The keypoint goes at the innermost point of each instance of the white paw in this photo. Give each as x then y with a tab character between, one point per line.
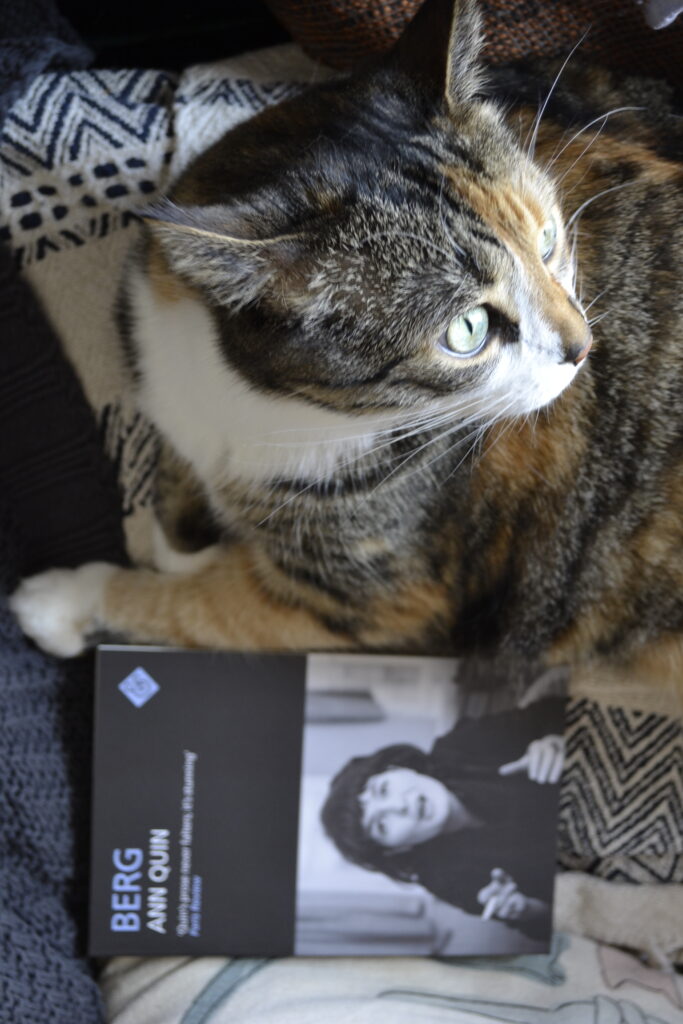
167	559
59	608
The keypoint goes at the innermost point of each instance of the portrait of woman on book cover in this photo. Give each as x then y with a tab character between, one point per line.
467	820
428	810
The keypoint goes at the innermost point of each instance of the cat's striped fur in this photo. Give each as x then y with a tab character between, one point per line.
286	317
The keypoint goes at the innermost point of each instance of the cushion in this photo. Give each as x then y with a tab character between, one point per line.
343	33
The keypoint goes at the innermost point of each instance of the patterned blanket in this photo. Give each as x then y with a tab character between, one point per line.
80	154
580	982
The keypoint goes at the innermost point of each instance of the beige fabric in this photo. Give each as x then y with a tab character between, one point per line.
643	917
580	982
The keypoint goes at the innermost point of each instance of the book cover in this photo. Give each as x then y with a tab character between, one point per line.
277	804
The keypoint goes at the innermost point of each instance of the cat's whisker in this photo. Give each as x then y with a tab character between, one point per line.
615	188
460	425
479	430
478	438
593	301
591	142
531	148
596	320
344	464
601	117
445	433
574	263
448	415
287	501
396	430
417	427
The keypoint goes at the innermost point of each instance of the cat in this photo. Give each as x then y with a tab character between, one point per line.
416	355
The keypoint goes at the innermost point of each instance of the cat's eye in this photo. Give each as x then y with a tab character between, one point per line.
547	239
467	334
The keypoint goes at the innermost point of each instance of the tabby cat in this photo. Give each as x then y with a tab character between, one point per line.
387	394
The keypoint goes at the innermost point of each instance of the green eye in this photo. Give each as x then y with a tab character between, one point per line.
547	239
466	334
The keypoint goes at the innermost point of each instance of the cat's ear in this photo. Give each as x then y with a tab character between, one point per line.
220	250
441	49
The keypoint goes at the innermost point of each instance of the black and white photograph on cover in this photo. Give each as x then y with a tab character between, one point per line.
428	813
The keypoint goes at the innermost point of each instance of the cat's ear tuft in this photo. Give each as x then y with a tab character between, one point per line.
441	49
218	249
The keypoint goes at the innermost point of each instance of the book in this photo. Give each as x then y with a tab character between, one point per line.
346	804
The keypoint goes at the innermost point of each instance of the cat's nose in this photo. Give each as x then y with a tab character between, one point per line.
578	350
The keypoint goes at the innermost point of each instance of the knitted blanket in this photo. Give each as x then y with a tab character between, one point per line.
80	154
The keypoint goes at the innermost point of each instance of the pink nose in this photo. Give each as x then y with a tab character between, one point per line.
576	353
584	351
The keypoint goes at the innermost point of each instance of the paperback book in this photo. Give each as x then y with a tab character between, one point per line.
279	804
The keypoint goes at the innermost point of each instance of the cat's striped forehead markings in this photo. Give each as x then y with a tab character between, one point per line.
515	219
517	222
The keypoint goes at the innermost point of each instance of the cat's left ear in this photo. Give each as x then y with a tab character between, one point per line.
219	249
441	48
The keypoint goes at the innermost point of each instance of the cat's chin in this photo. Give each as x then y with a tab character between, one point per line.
526	389
551	385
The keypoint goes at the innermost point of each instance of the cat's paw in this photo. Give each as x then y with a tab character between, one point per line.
58	609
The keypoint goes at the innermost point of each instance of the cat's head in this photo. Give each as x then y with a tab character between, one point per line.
385	243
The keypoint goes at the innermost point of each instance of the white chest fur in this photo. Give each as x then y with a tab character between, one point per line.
209	413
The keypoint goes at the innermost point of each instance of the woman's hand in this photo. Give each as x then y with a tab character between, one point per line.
502	899
542	761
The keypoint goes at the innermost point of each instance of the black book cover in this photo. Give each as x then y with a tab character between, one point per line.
271	804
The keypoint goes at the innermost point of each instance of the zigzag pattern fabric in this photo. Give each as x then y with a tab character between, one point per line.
621	806
79	152
81	155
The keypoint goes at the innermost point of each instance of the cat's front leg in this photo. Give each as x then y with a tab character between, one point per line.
225	605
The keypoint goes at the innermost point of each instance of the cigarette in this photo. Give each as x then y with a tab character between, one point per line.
490	909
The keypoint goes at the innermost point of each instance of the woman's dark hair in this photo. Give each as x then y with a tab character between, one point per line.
341	812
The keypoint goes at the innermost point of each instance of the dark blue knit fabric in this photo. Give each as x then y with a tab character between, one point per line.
44	787
58	505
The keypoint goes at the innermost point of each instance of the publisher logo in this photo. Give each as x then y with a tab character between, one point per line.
138	687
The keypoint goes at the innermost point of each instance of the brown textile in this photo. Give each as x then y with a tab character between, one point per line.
343	33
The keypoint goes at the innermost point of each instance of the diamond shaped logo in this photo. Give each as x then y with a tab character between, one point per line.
138	687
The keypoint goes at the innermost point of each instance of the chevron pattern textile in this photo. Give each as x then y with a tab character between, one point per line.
621	807
81	155
79	152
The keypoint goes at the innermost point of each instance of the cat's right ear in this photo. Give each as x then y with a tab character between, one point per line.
441	49
219	250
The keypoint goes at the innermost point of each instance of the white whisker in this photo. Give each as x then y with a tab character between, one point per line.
531	149
349	461
601	117
593	301
606	191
